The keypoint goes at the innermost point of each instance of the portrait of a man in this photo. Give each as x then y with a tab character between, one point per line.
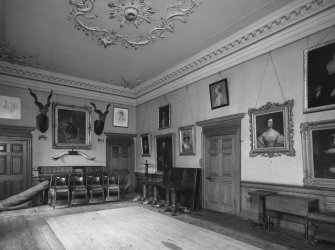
164	153
71	126
145	143
320	77
324	153
164	117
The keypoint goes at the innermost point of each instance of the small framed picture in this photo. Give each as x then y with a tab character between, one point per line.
219	94
187	140
318	147
146	144
164	117
10	107
271	128
319	77
120	117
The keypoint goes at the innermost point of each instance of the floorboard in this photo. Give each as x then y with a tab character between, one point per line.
28	229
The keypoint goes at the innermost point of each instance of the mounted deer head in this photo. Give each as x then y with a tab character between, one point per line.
42	120
100	123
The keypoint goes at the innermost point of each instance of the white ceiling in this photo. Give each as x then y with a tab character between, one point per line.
41	29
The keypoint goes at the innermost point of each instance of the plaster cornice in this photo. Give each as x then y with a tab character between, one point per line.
24	77
290	23
280	20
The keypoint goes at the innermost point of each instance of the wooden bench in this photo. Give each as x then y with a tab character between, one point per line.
323	226
294	205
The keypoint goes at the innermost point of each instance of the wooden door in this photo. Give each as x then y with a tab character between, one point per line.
219	180
15	172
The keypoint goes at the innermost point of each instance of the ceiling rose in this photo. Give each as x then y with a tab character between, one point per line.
134	12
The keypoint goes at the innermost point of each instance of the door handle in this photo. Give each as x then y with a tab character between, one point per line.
209	178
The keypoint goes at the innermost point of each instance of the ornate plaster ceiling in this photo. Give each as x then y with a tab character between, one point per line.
113	45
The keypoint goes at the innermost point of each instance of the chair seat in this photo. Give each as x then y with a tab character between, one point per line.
79	187
59	189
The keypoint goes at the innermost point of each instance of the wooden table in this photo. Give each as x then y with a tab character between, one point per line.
294	205
260	196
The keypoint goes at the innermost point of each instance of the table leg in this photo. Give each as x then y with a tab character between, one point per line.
268	221
306	229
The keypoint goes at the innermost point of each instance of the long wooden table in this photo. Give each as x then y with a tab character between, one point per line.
299	206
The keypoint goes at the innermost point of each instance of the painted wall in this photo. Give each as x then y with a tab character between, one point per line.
246	90
42	149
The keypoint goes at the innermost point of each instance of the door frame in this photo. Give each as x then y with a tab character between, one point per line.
226	125
20	133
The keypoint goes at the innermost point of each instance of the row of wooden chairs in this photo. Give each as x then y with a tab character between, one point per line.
84	188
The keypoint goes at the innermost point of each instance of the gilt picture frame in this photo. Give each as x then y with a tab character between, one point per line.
146	144
164	116
271	130
165	152
120	117
318	148
219	94
71	127
319	77
187	140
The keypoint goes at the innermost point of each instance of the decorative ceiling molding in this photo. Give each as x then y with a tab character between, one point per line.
128	84
7	54
293	22
281	19
83	15
61	80
318	20
132	12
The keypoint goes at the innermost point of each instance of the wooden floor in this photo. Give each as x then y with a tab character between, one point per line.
28	229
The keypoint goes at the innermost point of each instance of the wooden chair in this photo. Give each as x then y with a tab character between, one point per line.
95	188
78	189
59	187
111	185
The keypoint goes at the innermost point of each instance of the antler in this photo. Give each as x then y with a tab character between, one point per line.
39	105
106	112
97	110
48	101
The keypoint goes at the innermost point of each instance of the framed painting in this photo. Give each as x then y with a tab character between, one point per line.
271	130
164	117
145	145
120	117
71	127
318	145
10	107
187	140
319	77
165	152
219	94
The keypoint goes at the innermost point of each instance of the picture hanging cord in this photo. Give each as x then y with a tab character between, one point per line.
189	102
220	75
260	87
333	27
281	89
273	65
167	102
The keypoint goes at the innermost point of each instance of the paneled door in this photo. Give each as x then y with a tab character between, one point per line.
15	172
219	180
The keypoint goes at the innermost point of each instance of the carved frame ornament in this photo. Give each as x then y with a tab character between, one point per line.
318	149
271	130
83	15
